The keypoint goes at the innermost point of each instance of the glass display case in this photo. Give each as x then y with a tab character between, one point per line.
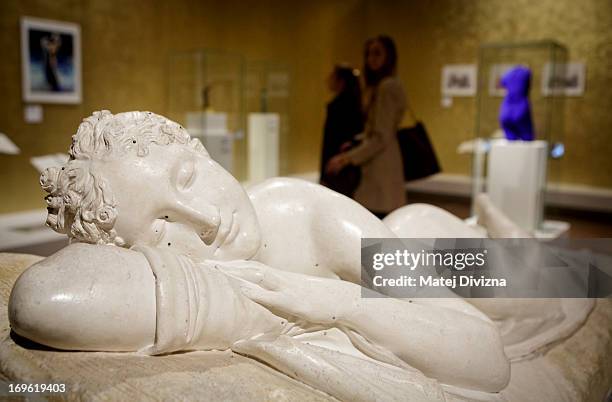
511	170
267	105
206	96
238	108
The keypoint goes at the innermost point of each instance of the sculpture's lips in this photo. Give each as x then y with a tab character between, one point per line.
234	230
228	234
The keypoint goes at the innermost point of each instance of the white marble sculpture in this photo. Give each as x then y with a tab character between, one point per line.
526	325
202	264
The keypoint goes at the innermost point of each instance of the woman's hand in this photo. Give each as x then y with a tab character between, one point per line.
313	299
337	163
346	146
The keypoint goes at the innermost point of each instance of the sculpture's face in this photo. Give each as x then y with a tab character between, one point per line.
179	198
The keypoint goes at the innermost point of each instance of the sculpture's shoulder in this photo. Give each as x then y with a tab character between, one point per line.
290	201
285	185
295	194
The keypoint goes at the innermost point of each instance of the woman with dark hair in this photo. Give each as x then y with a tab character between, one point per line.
344	120
381	188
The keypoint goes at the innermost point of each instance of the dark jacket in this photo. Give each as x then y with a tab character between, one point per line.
344	120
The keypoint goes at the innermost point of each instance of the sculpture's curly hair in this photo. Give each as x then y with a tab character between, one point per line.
80	202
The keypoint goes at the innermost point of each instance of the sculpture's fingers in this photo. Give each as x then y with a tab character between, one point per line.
241	264
229	265
260	295
249	274
272	280
257	273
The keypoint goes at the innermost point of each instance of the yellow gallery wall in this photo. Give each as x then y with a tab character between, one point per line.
125	50
125	46
432	33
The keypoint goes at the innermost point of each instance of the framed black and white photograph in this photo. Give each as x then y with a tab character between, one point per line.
459	80
564	79
50	61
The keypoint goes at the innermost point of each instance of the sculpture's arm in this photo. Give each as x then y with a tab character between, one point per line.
454	347
86	297
107	298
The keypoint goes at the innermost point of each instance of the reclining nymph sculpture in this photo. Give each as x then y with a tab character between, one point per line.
170	254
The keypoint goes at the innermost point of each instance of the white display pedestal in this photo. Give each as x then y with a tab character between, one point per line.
263	131
211	129
549	230
516	178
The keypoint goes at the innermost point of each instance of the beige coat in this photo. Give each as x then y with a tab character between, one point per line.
382	182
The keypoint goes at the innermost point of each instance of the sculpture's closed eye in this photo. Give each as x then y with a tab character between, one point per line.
185	175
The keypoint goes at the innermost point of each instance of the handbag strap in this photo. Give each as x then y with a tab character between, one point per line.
411	111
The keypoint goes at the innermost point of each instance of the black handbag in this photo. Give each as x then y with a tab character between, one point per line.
418	155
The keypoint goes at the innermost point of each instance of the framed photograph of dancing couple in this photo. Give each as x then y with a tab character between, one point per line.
50	61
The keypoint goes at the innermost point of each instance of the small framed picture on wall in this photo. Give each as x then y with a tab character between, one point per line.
563	79
50	61
459	80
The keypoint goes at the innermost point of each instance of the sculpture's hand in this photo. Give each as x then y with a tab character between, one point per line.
314	299
410	331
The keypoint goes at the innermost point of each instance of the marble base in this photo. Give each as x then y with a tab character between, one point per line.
577	369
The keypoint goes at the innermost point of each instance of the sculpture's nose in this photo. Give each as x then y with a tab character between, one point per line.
206	219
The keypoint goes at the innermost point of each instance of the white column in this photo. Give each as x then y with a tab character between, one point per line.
263	145
516	180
